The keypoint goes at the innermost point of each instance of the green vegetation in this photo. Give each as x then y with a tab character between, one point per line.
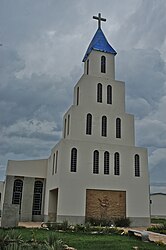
161	228
118	222
24	238
158	220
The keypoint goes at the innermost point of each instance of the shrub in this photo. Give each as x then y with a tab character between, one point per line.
80	228
158	229
122	222
99	222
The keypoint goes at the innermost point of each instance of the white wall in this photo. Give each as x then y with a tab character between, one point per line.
72	186
158	204
28	168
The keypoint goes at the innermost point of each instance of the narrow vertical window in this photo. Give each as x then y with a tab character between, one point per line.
104	126
106	162
56	162
37	198
78	90
109	94
87	67
103	64
53	164
73	160
99	92
95	162
65	129
116	164
137	165
118	128
17	192
89	124
68	124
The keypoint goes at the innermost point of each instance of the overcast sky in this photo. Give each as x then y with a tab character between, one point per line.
41	61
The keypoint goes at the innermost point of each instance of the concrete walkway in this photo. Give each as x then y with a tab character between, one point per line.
152	236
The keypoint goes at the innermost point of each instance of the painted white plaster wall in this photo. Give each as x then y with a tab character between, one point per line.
72	186
94	64
158	205
88	104
28	168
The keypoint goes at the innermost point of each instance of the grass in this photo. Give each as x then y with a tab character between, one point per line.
86	241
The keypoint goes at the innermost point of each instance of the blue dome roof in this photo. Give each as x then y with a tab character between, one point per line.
99	42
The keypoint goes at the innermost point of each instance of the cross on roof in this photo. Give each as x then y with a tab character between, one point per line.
99	18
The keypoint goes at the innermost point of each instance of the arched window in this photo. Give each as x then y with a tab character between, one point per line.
95	162
109	94
116	164
99	92
17	192
106	162
78	93
37	198
104	126
118	128
137	165
73	167
103	64
89	124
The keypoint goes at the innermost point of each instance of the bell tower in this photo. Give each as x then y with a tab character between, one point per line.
99	59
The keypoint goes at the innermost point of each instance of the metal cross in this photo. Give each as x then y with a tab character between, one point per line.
99	18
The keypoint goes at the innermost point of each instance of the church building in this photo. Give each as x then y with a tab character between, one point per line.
95	171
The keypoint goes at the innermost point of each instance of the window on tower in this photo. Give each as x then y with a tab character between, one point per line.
116	164
78	93
137	165
109	94
68	124
99	92
89	124
96	162
87	67
73	167
56	162
103	64
104	126
118	128
65	128
106	162
53	164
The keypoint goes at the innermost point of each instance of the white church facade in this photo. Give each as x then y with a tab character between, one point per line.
95	171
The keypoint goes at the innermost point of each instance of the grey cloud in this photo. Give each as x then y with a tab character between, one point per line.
144	74
145	28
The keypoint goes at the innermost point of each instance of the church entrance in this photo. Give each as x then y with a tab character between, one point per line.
105	204
52	208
